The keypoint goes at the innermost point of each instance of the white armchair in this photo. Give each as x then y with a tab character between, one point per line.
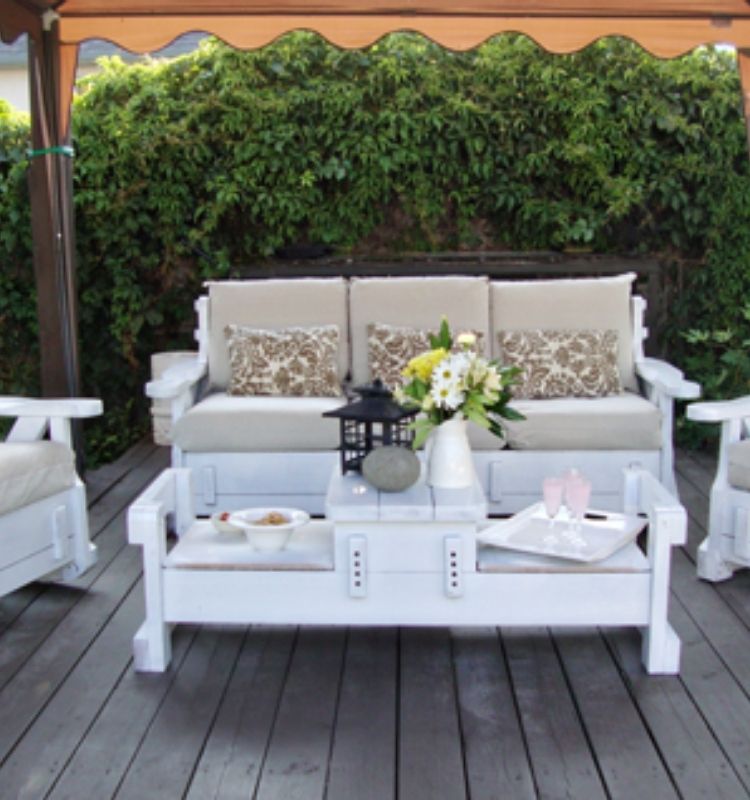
727	546
43	518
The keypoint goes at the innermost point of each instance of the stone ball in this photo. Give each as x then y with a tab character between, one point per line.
390	468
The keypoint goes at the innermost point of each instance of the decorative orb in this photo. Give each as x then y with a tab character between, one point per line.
391	469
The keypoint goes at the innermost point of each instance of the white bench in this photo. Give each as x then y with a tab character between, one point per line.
396	563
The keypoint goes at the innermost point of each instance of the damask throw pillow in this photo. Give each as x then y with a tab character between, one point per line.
562	363
391	347
292	362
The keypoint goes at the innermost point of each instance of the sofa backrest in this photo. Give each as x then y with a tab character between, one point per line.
571	304
418	302
271	305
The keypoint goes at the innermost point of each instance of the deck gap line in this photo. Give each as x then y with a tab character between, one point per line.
714	587
277	706
65	677
85	734
148	451
716	652
459	717
517	708
337	705
579	714
175	668
624	678
709	726
219	704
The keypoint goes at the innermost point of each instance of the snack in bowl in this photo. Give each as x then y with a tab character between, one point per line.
269	528
273	518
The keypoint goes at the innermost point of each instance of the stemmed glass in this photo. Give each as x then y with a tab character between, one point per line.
577	496
553	496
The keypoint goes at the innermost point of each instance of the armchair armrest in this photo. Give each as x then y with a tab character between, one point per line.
71	407
719	410
177	379
667	379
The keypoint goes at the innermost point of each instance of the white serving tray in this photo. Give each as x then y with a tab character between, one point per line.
531	531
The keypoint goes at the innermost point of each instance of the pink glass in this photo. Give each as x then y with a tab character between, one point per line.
553	489
577	496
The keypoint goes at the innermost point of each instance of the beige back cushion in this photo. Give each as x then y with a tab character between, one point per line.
415	303
274	304
574	304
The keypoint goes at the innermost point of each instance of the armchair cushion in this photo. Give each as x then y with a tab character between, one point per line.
562	363
620	422
297	362
31	471
222	423
738	464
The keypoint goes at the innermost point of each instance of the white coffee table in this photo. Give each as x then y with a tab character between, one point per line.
398	559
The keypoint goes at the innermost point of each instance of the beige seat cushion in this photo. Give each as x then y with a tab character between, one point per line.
738	457
415	303
274	304
619	422
224	424
571	304
30	471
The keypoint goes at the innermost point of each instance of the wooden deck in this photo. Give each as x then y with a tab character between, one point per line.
340	714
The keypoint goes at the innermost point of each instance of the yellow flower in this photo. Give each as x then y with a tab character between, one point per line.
421	366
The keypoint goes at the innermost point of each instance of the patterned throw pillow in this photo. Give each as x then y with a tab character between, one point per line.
562	363
293	362
390	348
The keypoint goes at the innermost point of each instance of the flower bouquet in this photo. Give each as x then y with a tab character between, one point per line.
446	382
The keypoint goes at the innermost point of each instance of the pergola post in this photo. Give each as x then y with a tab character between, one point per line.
51	75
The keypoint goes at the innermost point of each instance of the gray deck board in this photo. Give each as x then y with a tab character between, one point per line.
370	714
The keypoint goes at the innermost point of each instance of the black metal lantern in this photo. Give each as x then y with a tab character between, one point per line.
376	420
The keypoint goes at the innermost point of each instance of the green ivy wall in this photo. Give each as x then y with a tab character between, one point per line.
401	147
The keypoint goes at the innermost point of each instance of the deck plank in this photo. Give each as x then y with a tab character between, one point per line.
629	763
430	761
106	750
164	764
562	761
296	763
363	757
229	767
687	745
50	739
497	762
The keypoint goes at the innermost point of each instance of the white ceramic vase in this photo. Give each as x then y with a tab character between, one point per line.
449	462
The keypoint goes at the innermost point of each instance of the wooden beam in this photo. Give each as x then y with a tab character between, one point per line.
16	19
665	38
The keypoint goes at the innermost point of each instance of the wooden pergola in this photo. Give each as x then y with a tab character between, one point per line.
56	28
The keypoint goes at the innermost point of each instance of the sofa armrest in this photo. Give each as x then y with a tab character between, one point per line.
720	410
666	379
178	379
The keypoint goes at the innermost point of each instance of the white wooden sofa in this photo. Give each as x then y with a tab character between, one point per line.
248	450
43	519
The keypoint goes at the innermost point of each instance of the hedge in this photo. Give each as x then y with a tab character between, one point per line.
400	147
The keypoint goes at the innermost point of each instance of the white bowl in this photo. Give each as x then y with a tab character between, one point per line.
224	525
265	535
